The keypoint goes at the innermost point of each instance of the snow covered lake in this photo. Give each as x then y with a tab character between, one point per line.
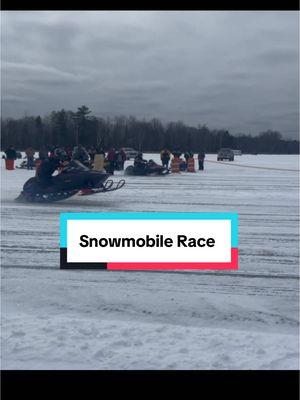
53	319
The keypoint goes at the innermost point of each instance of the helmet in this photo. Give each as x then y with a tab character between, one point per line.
60	154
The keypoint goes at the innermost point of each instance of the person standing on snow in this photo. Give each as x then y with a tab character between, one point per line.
111	158
201	156
10	153
117	160
123	159
165	156
11	156
30	157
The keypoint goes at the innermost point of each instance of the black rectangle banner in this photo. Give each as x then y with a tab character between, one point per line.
64	264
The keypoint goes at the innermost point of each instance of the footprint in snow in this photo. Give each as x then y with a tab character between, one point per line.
17	334
183	350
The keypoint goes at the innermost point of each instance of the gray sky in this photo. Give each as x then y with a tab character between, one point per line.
228	69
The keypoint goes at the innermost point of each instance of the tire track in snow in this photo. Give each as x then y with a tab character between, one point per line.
233	274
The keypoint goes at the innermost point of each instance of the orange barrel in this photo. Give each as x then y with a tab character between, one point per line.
9	164
175	164
191	165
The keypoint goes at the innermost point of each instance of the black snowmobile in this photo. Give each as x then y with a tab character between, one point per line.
149	168
75	178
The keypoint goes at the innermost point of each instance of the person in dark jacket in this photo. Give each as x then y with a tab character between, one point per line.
11	156
187	155
101	151
92	152
43	153
123	158
11	153
140	163
48	166
177	153
165	156
69	153
80	154
118	161
201	156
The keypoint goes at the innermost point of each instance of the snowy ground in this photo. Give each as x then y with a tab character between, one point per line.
54	319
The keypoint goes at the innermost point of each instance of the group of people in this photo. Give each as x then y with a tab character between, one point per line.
58	157
165	156
113	160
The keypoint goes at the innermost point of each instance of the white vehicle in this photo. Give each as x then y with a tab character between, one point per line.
237	152
225	154
130	153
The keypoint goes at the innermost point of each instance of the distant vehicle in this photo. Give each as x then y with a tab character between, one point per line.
225	154
130	153
237	152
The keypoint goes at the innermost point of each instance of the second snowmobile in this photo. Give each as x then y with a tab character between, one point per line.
146	169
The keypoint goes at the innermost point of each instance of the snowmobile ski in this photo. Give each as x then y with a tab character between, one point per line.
109	186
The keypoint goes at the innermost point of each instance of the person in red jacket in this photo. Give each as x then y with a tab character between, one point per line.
111	158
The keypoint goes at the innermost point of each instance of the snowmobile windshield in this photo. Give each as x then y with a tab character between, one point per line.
75	165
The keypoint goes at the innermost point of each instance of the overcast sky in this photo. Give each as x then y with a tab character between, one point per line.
233	70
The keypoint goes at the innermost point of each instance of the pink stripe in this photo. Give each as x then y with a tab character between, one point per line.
233	265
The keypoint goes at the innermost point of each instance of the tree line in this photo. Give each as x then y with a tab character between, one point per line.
67	128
